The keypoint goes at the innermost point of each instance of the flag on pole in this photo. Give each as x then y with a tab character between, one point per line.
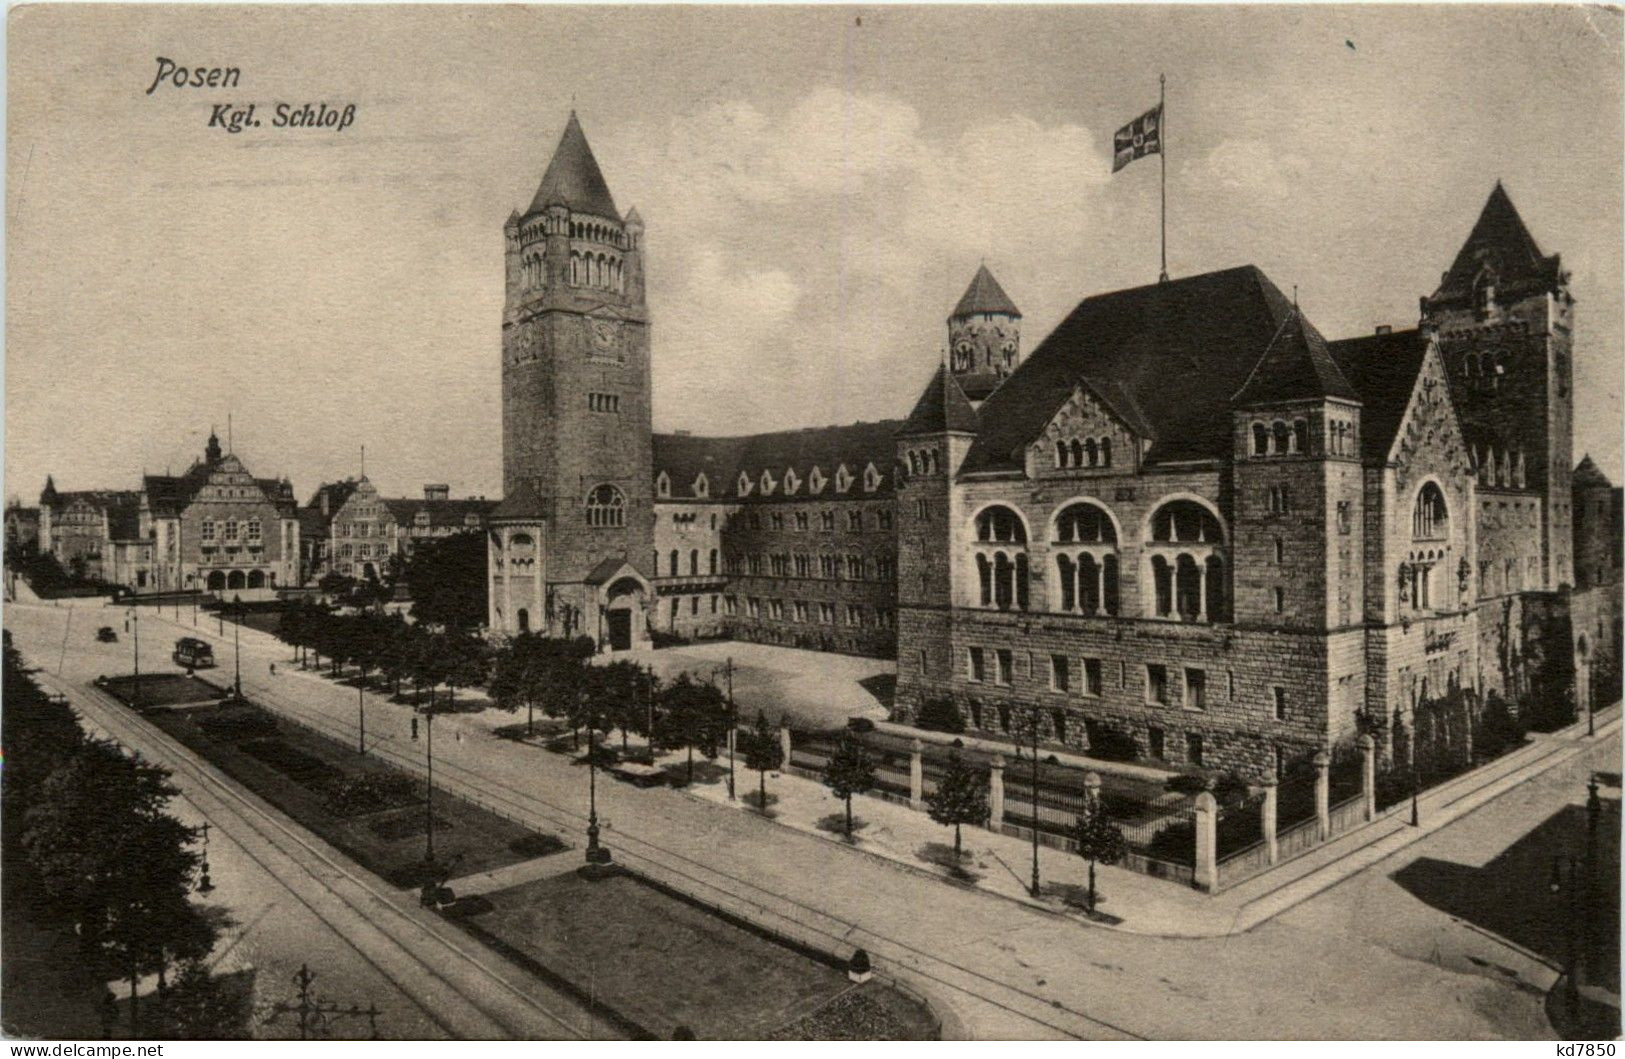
1138	138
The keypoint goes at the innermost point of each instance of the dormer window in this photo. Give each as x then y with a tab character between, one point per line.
768	484
791	482
702	485
871	479
744	484
421	518
663	485
471	519
843	479
816	481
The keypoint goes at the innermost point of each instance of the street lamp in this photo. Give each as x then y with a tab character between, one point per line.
596	854
135	636
1035	887
428	800
733	722
237	644
205	884
1565	873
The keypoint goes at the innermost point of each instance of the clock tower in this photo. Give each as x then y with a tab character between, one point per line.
577	519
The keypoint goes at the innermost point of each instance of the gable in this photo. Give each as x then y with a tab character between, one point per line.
1083	417
1429	439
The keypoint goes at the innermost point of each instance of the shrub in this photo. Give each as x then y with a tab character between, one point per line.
1109	744
860	725
940	715
1174	842
370	792
238	725
1186	783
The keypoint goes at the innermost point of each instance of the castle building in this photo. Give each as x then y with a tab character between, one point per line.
570	542
1186	522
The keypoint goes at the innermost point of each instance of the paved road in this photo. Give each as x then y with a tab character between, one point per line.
293	900
1339	966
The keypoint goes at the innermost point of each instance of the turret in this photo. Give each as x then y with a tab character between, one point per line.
984	337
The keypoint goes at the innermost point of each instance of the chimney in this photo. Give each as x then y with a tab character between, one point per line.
436	492
1385	329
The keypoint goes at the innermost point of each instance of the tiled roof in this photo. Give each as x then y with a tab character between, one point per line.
1295	366
1589	476
1500	242
942	407
683	457
312	523
1382	368
984	295
1177	350
443	514
98	498
573	178
124	519
523	504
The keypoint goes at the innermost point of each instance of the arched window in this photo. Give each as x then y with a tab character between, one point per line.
1280	437
575	270
914	463
1061	457
1001	559
1261	439
1091	453
1077	453
1105	452
1084	540
1300	436
1430	520
1186	564
694	562
606	507
713	560
672	560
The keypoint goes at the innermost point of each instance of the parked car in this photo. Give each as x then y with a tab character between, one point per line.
105	634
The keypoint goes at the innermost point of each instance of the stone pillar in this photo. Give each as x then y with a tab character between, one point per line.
507	580
916	775
1268	817
784	742
1323	794
995	792
1206	873
1091	790
1368	774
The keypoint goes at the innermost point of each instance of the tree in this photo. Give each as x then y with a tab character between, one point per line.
940	715
1099	840
447	579
200	1006
466	660
764	753
849	771
621	690
517	672
960	798
692	715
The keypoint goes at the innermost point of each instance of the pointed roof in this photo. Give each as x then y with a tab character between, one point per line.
1382	367
1296	365
942	408
1589	476
573	178
49	491
984	295
523	506
1502	244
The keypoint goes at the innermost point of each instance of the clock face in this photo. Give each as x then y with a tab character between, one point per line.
604	333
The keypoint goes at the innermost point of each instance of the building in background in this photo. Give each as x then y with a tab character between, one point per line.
434	517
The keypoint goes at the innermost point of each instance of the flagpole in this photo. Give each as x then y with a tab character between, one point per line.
1162	152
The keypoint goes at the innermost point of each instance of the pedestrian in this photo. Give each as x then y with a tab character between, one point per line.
414	729
273	669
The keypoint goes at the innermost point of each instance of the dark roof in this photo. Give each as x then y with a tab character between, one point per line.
312	523
124	519
608	568
856	445
941	408
984	295
1589	476
1176	350
23	514
977	385
99	498
523	504
1382	369
335	492
167	494
442	513
1294	366
1502	244
573	178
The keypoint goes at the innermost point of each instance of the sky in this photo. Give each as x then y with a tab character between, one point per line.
818	184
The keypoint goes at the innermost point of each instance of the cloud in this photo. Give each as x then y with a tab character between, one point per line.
1253	168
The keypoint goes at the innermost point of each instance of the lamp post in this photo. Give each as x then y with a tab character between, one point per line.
135	637
1565	873
428	799
1035	887
596	855
361	712
733	726
237	645
205	884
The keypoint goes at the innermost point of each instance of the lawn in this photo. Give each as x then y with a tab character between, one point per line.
659	962
161	689
371	811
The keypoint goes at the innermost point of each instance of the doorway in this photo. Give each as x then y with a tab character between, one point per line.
620	630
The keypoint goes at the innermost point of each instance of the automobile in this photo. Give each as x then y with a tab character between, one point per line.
105	634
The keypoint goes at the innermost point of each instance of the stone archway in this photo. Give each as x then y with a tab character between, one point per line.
234	580
217	581
256	579
623	609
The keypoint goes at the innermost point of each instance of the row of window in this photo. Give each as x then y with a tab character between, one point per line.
827	567
801	521
604	402
231	530
363	551
675	607
997	666
1505	471
1089	452
673	568
806	613
816	481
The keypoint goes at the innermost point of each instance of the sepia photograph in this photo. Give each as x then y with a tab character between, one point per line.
762	522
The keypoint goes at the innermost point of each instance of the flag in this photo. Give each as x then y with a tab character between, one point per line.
1138	138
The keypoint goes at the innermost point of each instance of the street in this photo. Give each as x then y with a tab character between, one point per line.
1367	958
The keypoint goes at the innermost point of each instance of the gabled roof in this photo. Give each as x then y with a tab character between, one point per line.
613	569
942	408
573	178
1294	366
1500	243
1589	476
524	504
443	514
312	523
1178	350
984	295
336	494
104	499
684	456
124	520
1382	368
